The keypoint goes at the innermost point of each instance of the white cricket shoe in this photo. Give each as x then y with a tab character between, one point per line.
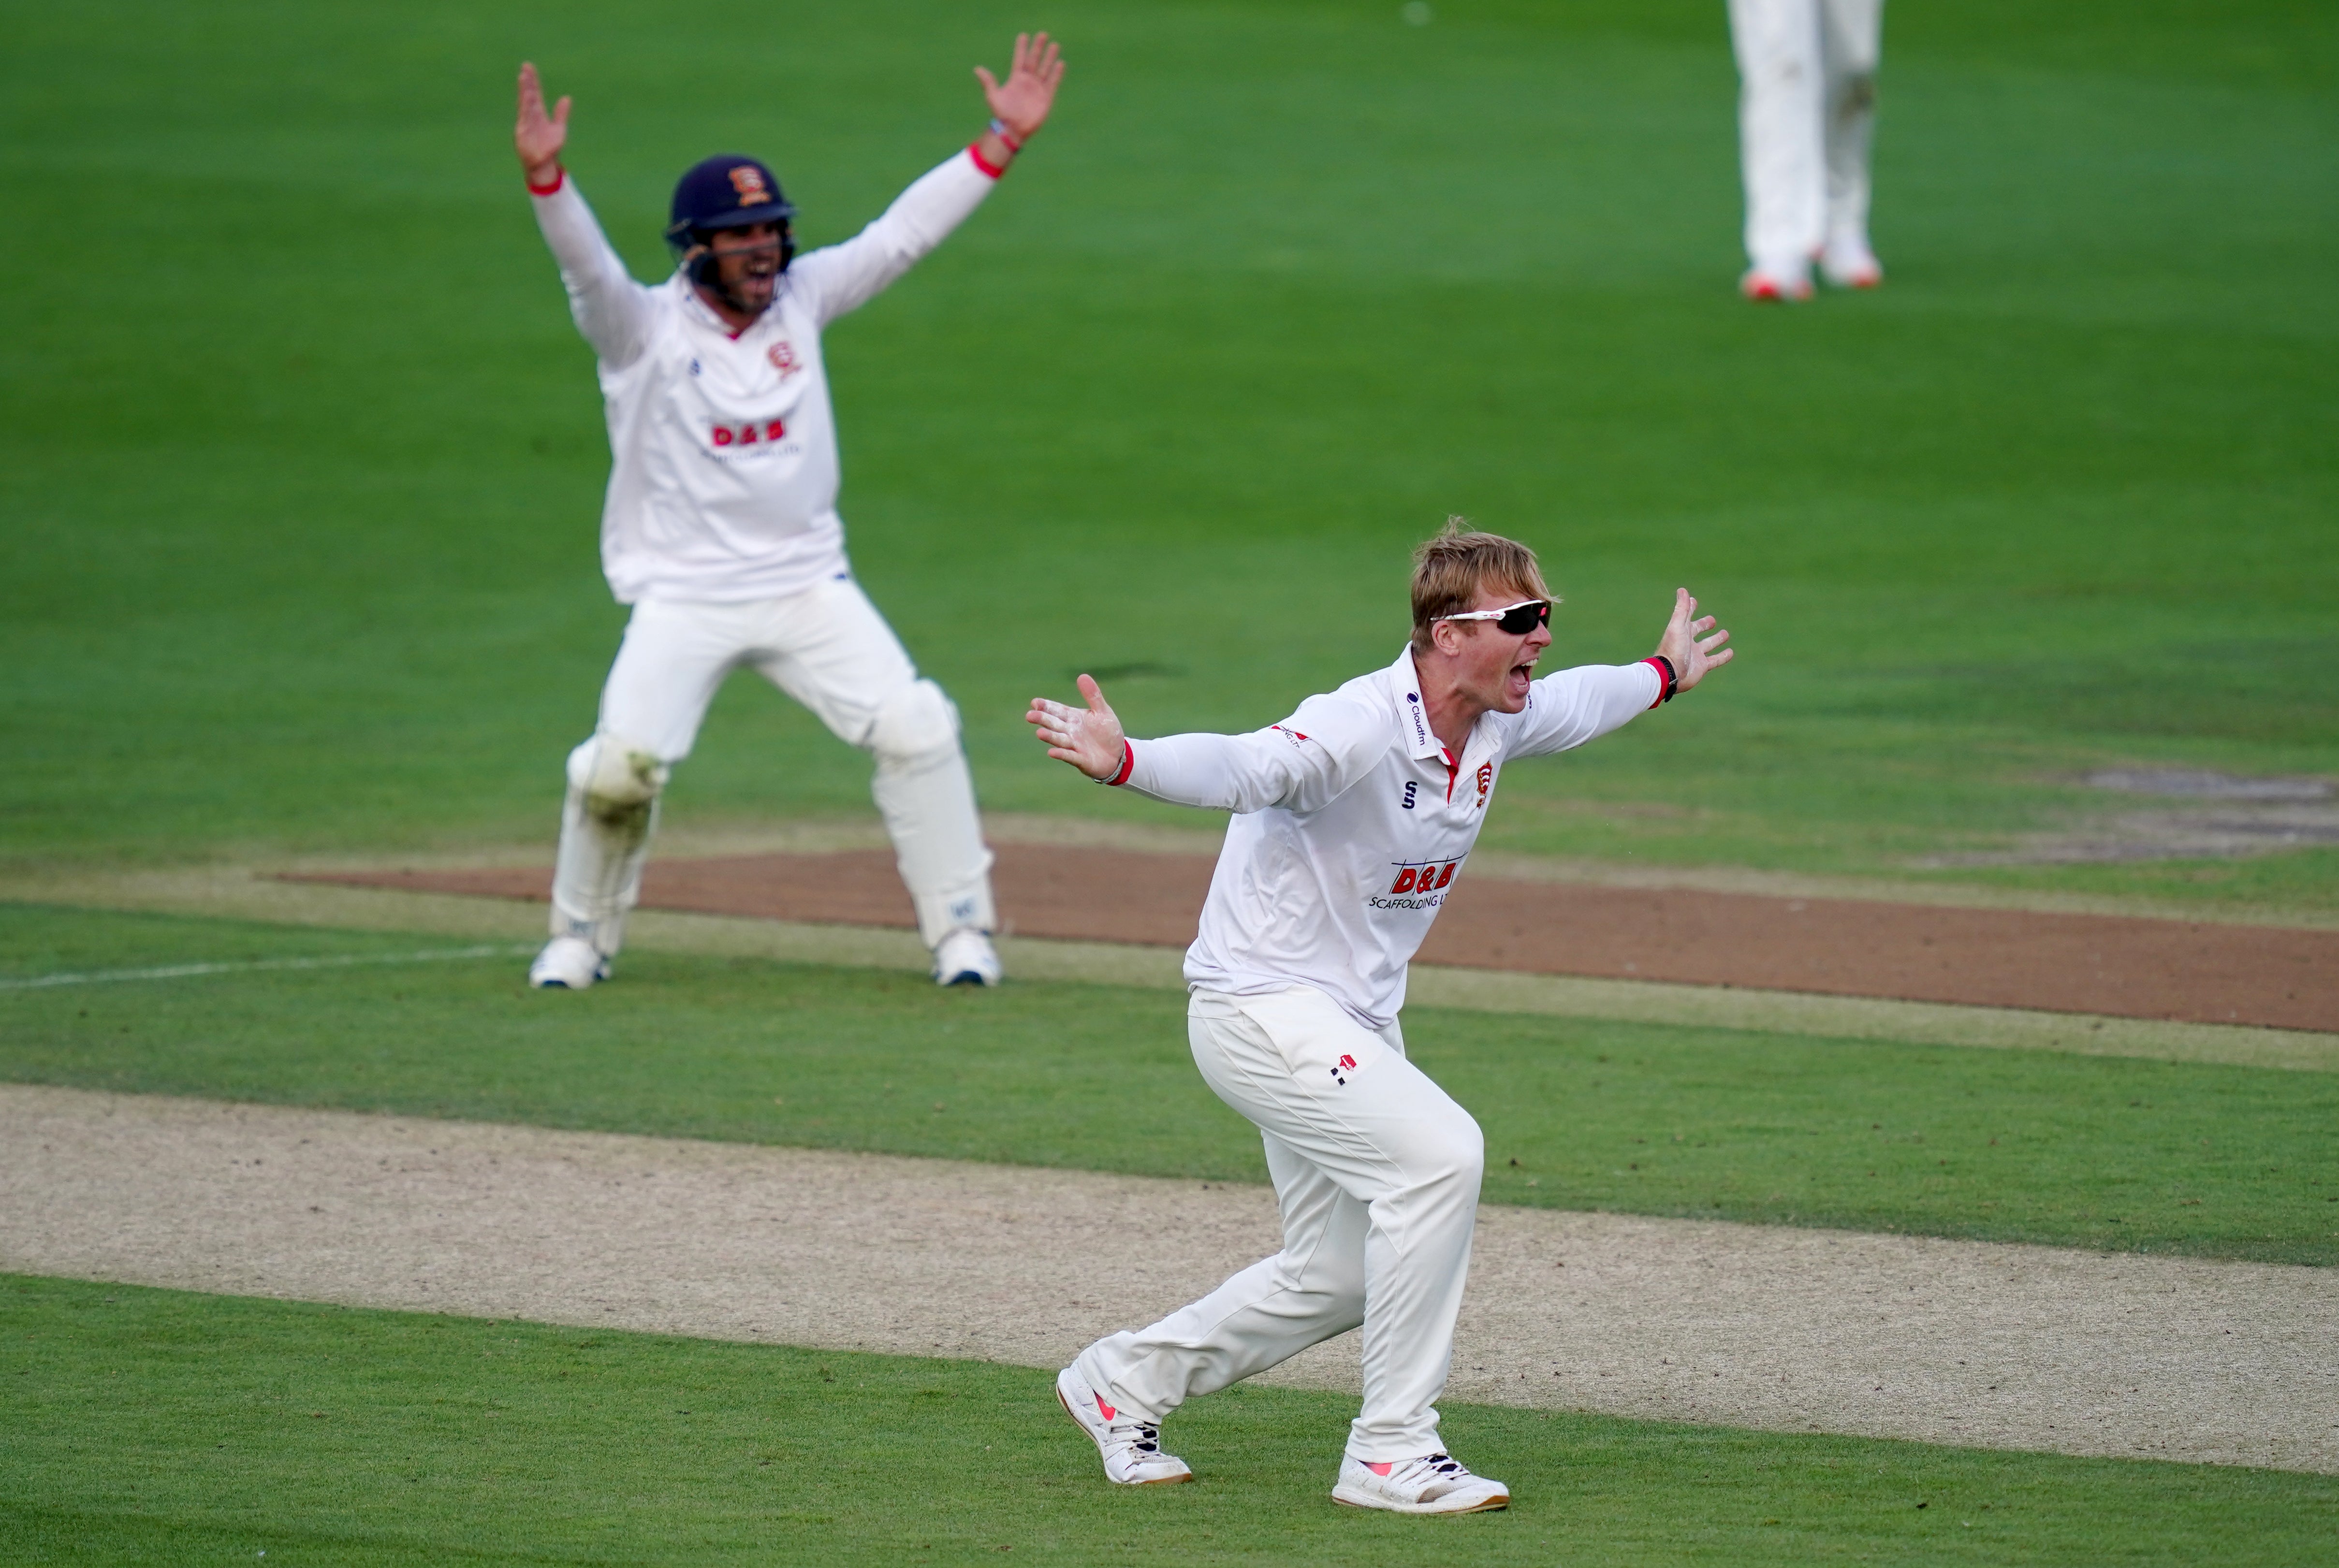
1849	263
965	957
1776	283
1131	1448
568	963
1433	1483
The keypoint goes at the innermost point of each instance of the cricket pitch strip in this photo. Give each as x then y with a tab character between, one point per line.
1947	1341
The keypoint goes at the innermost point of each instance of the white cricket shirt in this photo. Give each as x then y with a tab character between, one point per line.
723	470
1351	822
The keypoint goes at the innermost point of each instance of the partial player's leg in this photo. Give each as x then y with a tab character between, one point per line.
833	652
667	668
1776	43
1308	1293
1377	1171
1850	35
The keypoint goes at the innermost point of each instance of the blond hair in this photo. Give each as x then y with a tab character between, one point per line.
1451	568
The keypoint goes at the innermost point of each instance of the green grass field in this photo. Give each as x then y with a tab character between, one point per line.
299	467
302	480
2000	1145
153	1428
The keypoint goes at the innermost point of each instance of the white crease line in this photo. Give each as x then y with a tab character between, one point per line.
341	961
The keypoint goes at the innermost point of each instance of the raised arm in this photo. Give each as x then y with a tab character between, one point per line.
1284	764
1019	105
610	308
1691	645
844	277
1575	705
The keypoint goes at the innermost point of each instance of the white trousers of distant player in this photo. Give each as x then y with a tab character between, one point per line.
1376	1174
828	648
1806	109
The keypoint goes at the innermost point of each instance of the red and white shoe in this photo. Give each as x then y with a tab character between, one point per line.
1776	285
1433	1483
1849	263
1131	1448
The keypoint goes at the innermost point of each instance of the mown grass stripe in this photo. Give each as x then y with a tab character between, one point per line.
153	1425
2039	1146
251	966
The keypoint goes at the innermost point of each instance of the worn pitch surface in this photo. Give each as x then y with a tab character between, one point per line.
2113	966
1943	1341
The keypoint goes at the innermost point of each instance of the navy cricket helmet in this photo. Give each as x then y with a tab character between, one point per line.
727	192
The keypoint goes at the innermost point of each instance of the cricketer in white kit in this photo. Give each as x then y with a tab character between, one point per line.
1352	819
720	525
1806	115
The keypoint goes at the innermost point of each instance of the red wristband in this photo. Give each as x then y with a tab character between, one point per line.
1128	764
560	175
974	151
1666	683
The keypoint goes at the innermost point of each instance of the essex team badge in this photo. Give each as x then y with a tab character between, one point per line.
748	181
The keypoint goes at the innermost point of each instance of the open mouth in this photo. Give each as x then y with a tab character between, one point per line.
753	287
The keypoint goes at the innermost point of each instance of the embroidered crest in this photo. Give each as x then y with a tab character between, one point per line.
748	181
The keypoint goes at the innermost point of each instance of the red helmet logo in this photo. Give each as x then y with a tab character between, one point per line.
748	181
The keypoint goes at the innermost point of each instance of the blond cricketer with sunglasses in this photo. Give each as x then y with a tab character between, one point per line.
1351	820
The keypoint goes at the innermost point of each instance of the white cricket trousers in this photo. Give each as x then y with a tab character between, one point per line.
1376	1174
1806	109
828	648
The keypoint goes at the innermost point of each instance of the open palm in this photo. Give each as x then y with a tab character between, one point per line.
1089	738
538	137
1691	643
1023	100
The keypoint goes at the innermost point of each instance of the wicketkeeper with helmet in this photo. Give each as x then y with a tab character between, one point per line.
720	527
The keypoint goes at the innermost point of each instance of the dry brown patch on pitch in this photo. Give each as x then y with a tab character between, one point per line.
2114	966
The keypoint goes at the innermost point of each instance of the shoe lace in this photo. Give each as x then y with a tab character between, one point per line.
1141	1437
1429	1468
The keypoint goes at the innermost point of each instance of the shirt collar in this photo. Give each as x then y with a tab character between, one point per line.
1412	713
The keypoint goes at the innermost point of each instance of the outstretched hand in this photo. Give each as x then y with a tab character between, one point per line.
1089	738
538	137
1022	101
1687	645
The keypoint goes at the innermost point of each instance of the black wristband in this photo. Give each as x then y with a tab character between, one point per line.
1673	677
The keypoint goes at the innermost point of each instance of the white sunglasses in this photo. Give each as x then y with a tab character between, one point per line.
1517	619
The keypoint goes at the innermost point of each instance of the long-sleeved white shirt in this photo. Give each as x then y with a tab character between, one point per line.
1351	822
723	470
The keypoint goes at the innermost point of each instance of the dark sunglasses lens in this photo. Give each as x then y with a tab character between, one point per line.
1525	618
